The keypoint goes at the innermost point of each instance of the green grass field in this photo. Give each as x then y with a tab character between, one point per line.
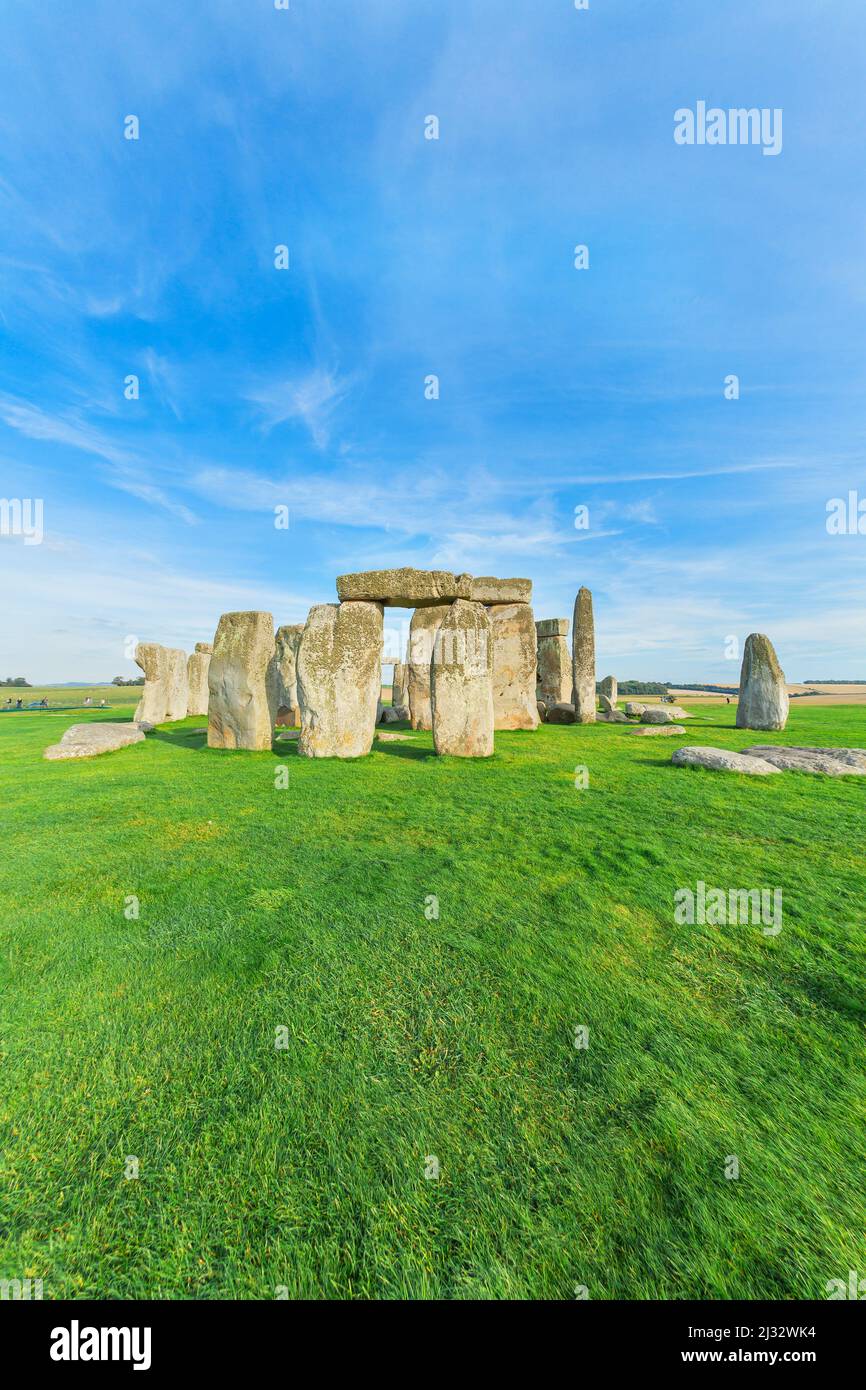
408	1037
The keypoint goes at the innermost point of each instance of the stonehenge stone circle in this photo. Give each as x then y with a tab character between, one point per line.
241	711
197	667
165	696
583	659
461	683
609	689
554	679
339	673
514	666
89	740
763	702
284	674
422	635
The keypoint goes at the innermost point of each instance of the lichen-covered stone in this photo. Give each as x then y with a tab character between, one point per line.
514	666
609	689
560	713
422	635
241	708
165	695
634	707
461	684
339	674
489	590
554	677
763	702
404	588
583	659
197	667
722	760
832	762
90	740
283	675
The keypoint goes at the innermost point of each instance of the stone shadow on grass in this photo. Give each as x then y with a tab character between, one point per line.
191	740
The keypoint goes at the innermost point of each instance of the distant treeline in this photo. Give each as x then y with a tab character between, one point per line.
713	689
121	680
811	682
15	680
640	687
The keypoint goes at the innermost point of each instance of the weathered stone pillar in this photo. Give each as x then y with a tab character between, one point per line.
555	679
165	696
284	675
240	705
763	702
461	685
422	634
339	674
583	659
196	669
515	665
609	688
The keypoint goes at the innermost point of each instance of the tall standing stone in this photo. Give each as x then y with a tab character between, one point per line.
165	696
284	675
515	665
400	685
241	710
197	667
763	702
461	684
422	635
583	659
340	679
554	680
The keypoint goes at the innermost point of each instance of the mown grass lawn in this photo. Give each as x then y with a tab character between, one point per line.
409	1037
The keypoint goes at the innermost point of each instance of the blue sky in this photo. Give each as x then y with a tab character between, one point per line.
411	257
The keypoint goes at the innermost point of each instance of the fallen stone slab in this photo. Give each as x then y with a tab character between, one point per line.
89	740
613	716
660	714
653	730
394	714
561	713
722	760
633	707
832	762
385	737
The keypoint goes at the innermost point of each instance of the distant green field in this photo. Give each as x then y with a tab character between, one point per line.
118	697
428	934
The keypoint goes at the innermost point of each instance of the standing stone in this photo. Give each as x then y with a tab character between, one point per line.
400	685
166	686
240	703
283	675
554	678
461	683
515	666
609	688
763	700
196	670
340	679
422	634
583	659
